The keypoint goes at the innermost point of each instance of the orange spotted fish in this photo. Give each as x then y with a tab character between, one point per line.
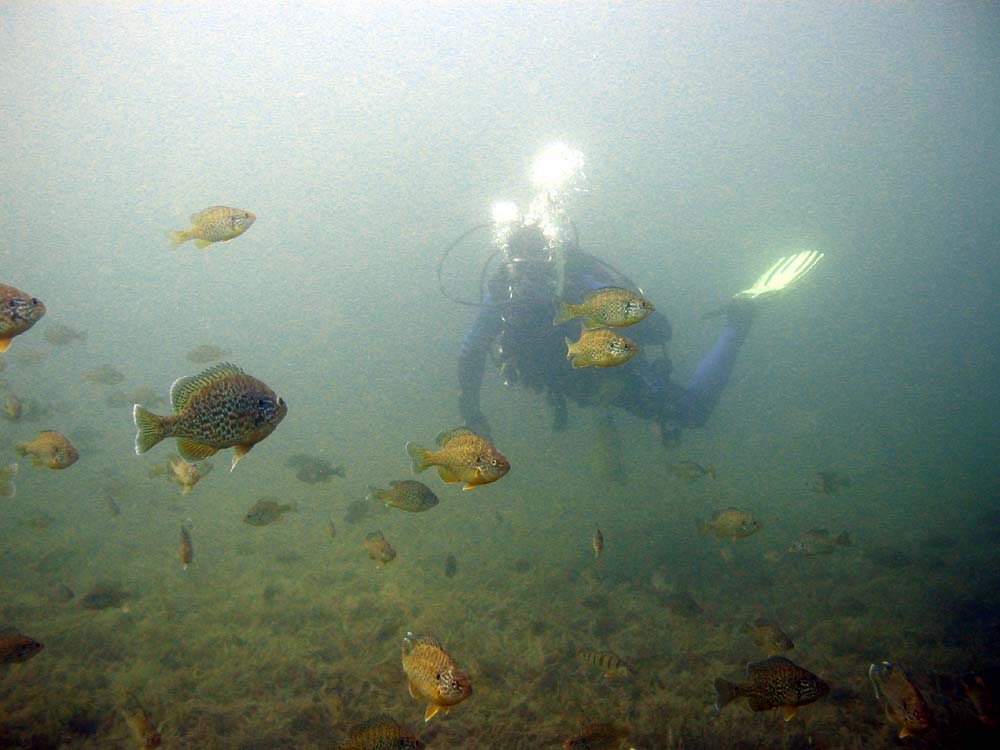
221	407
978	691
214	224
462	456
18	312
50	449
382	732
600	347
775	682
432	675
609	306
903	703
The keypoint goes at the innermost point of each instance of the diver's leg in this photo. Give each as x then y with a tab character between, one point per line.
557	401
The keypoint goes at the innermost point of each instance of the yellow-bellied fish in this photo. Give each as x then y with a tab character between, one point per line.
19	311
775	682
408	494
379	548
608	306
902	701
600	347
432	675
462	456
214	224
731	523
144	731
221	407
50	449
186	475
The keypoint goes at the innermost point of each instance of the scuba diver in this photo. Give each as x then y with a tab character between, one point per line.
539	264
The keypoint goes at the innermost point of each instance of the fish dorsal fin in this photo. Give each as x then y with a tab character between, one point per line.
591	293
768	663
194	451
427	640
184	388
198	214
447	435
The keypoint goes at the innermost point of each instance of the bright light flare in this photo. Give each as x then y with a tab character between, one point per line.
555	166
505	212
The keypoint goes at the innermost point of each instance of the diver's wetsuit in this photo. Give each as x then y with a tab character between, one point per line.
532	352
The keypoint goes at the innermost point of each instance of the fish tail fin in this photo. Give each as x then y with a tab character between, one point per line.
711	471
569	347
725	693
149	429
419	456
702	527
844	538
21	447
371	493
178	237
564	312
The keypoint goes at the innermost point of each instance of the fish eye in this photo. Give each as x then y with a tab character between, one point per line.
34	300
281	401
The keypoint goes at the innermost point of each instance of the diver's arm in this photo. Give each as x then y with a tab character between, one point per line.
698	400
472	365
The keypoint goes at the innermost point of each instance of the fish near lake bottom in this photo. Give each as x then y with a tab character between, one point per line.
408	494
902	701
775	682
222	407
432	675
15	647
462	456
49	449
731	523
266	511
381	732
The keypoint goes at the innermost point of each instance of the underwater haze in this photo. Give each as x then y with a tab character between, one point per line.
366	138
